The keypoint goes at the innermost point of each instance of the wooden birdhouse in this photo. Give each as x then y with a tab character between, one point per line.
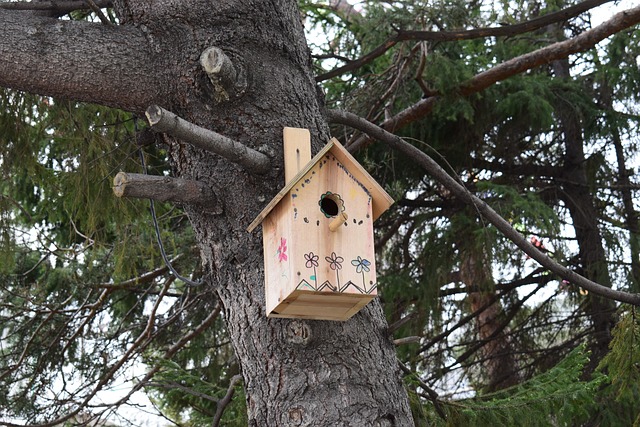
318	233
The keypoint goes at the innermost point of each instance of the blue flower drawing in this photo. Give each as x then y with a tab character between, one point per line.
361	264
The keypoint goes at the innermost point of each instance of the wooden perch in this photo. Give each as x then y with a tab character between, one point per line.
338	221
165	121
221	72
164	188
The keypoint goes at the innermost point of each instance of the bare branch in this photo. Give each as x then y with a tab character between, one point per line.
344	9
165	121
505	30
406	340
560	50
164	188
444	36
428	164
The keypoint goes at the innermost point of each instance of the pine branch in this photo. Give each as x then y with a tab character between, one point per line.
436	171
512	67
165	121
445	36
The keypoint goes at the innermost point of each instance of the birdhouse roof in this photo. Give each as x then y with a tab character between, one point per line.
380	200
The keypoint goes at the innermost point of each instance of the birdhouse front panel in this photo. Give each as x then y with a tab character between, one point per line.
319	247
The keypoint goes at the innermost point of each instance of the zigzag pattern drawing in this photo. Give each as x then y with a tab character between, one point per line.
305	285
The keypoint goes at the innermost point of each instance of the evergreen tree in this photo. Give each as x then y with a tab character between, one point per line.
506	132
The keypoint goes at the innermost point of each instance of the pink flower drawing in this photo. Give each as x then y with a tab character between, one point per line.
282	250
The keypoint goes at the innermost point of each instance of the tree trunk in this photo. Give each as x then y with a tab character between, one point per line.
499	365
578	199
295	372
624	174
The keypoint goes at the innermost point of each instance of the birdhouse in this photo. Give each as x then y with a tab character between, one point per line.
318	242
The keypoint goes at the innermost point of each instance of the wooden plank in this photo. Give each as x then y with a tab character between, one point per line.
297	151
320	306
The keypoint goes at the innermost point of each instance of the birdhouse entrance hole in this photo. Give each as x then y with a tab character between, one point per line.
331	204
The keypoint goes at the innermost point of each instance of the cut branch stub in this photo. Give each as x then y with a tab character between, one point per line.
165	188
165	121
224	76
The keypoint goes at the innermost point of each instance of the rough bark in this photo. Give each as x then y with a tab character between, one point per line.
295	372
80	60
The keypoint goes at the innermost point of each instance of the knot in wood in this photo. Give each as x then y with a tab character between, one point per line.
298	332
295	416
384	421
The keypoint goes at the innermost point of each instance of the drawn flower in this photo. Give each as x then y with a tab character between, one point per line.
312	260
335	261
361	264
282	250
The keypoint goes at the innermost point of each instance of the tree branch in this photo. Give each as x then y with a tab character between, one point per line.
481	81
96	9
165	121
505	30
58	7
429	165
84	61
444	36
344	9
163	188
222	404
560	50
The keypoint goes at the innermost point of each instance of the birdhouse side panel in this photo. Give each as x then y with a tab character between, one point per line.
332	231
278	248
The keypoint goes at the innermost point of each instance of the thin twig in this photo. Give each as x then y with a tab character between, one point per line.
96	9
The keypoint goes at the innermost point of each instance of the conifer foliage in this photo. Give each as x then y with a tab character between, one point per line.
477	117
